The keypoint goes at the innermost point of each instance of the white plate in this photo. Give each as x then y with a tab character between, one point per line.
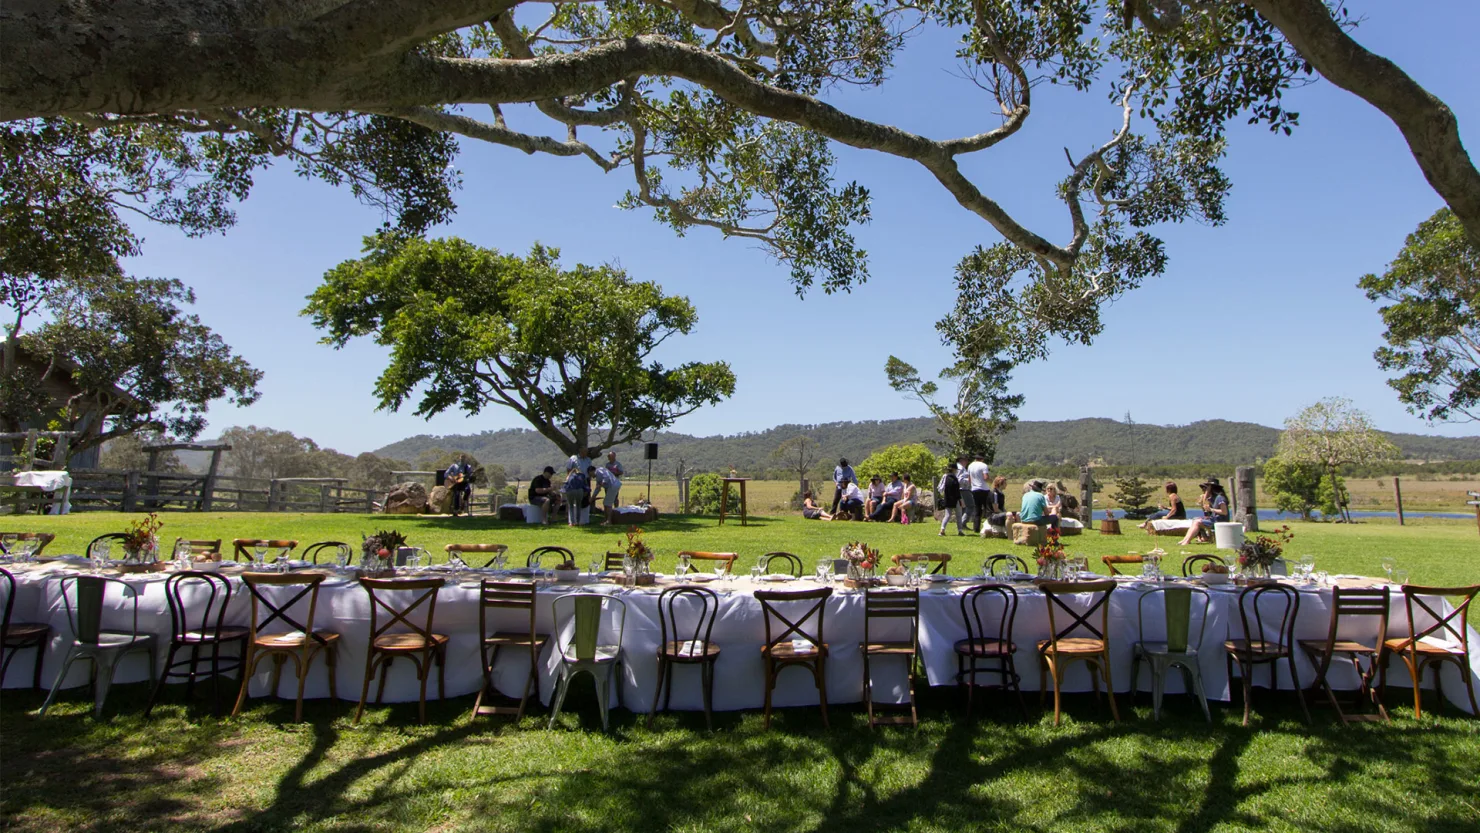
778	577
934	577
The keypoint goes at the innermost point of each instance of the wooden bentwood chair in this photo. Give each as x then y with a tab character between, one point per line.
201	546
781	652
792	562
1111	561
300	643
241	547
18	636
890	604
1347	604
517	596
1192	564
194	627
418	643
988	647
493	551
686	618
327	549
1013	562
1062	648
939	559
548	557
1256	648
1446	640
727	557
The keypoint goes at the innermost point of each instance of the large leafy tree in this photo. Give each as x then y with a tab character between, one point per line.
983	409
1431	307
719	109
571	351
1330	434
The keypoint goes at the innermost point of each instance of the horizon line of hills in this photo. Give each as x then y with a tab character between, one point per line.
1098	441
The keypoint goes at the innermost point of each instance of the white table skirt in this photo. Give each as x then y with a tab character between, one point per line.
739	631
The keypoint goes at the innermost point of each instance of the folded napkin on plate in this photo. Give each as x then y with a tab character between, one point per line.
692	648
802	646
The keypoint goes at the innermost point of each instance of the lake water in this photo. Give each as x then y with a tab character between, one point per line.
1273	515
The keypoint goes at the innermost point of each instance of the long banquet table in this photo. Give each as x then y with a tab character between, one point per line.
344	607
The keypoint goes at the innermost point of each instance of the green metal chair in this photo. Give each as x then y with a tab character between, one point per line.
91	641
578	620
1177	650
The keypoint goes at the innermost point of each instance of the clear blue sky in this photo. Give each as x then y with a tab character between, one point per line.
1252	320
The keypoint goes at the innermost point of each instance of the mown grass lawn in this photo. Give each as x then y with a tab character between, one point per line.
184	769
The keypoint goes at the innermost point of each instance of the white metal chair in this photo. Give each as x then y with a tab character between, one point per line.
578	627
83	597
1176	650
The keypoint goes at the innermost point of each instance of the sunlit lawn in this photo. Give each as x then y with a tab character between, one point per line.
184	769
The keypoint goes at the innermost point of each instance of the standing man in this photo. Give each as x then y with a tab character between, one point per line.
963	483
842	474
610	487
613	466
950	498
981	490
459	476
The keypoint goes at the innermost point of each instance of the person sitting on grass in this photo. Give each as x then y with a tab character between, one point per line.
906	502
1035	507
851	501
1214	504
1000	517
1052	501
811	511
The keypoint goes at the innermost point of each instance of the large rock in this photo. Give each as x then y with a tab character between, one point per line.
440	501
406	499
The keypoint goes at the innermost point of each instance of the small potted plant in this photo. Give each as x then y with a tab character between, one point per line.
141	544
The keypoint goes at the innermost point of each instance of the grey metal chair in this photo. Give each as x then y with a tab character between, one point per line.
578	621
1177	650
92	641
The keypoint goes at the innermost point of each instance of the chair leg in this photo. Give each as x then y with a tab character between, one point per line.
249	665
561	686
1415	674
868	691
385	671
657	692
106	662
331	661
1136	677
159	686
194	664
706	671
822	688
1110	687
441	659
1194	672
603	677
216	678
1244	672
1158	687
36	666
56	685
1054	668
1299	692
365	689
277	673
770	684
532	681
1009	666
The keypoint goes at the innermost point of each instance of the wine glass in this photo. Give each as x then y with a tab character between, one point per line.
259	555
1307	565
758	569
685	561
722	571
342	556
594	566
1389	563
499	562
536	562
182	555
7	542
823	569
99	553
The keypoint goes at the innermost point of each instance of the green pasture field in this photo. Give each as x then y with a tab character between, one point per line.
186	770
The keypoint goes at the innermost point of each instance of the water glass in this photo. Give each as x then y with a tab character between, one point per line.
7	543
721	571
684	562
758	569
823	569
536	562
342	556
1400	576
182	555
1389	564
594	567
259	556
499	561
99	553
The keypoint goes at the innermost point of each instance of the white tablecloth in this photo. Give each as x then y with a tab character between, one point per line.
739	631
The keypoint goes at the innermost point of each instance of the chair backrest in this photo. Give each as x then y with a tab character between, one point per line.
110	537
1192	564
262	597
1177	609
1269	604
241	547
1060	596
1111	560
326	548
678	607
44	537
492	550
614	559
1452	627
891	604
584	613
518	596
196	616
1017	562
387	594
774	601
200	546
940	559
84	605
793	563
727	557
560	555
1359	603
982	625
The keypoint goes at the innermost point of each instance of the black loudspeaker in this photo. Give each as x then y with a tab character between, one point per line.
650	451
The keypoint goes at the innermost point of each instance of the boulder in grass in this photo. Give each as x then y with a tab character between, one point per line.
406	499
439	502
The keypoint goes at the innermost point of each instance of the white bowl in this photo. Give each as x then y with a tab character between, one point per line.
1215	578
567	575
894	580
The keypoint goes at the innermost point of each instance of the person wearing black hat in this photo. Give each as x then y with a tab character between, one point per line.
1214	502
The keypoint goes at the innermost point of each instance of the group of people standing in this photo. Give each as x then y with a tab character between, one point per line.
584	483
971	495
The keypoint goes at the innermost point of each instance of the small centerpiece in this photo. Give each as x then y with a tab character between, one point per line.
1052	560
640	556
1256	557
861	563
141	544
378	551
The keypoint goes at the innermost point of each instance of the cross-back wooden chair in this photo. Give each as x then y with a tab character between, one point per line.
781	649
613	562
1446	640
988	647
242	547
1014	562
1062	647
18	636
327	549
1347	604
419	643
200	546
44	537
727	557
1111	561
195	624
939	559
890	604
1255	606
517	597
493	551
685	620
1192	564
549	556
300	642
792	562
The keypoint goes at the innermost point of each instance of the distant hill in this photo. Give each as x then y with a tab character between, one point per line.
1101	441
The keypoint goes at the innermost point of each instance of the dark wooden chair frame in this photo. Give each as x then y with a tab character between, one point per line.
492	550
1418	659
18	636
777	652
312	551
430	648
302	651
890	604
1020	562
106	536
193	628
240	546
1192	561
562	552
518	596
200	546
1352	603
1254	649
1111	560
1053	657
671	645
975	647
940	559
793	562
728	557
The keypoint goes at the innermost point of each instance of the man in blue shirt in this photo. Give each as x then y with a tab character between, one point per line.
842	474
1035	507
606	482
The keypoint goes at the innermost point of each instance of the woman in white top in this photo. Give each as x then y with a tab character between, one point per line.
1051	497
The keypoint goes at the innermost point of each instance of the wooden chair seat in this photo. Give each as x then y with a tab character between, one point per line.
898	648
289	641
408	641
1401	645
25	633
515	638
675	651
226	634
1073	646
983	647
1254	648
787	651
1340	646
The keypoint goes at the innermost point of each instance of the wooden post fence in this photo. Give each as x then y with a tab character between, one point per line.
1086	495
1243	489
1398	495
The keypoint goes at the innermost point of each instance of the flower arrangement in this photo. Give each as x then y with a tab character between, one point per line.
859	555
637	549
1262	552
381	547
142	536
1051	555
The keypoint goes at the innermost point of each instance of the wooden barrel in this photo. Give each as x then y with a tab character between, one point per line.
1109	526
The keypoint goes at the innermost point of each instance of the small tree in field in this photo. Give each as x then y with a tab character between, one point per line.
1132	491
919	462
798	454
1330	434
1302	488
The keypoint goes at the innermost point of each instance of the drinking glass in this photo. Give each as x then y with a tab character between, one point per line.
758	569
342	556
23	549
821	569
1307	563
182	555
99	554
720	571
7	542
1400	576
499	561
537	562
1389	563
595	566
684	562
259	556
